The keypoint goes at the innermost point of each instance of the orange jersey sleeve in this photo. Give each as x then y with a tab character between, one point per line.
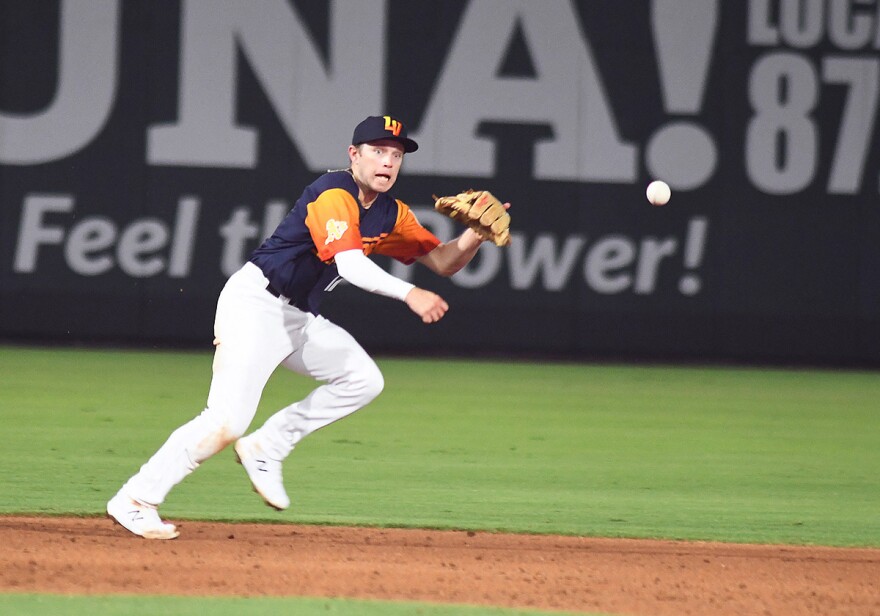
333	221
408	240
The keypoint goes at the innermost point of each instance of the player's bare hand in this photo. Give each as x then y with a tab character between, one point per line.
428	305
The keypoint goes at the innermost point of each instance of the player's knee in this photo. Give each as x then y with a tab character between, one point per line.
207	436
367	382
377	384
228	427
234	430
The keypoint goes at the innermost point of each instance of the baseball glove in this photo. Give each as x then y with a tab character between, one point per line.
479	210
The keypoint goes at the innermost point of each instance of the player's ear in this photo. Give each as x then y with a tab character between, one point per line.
353	150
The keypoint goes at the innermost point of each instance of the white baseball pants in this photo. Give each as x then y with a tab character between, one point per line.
255	333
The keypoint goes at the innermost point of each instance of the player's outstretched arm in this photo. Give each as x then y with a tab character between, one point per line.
448	258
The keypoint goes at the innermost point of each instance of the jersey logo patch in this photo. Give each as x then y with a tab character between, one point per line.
335	230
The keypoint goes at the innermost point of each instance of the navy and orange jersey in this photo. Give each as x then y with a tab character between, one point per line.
298	259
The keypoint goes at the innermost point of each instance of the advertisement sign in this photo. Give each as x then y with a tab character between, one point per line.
146	147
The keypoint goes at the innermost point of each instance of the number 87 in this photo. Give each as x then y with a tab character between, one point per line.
782	140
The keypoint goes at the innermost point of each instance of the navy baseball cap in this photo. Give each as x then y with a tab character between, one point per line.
375	128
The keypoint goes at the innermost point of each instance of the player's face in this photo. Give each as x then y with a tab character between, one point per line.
375	165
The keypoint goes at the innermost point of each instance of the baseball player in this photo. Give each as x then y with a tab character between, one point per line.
268	315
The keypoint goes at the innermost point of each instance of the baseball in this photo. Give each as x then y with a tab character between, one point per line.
658	192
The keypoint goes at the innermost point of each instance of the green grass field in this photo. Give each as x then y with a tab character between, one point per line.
28	605
701	453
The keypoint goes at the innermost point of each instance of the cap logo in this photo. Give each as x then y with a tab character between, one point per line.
393	125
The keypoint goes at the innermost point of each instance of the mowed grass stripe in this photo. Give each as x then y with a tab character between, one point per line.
686	452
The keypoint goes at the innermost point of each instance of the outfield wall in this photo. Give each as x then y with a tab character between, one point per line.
147	146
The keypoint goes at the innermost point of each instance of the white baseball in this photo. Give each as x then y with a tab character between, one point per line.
658	192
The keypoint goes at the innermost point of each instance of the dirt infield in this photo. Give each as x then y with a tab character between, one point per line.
93	556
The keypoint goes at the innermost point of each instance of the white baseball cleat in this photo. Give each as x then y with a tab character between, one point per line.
143	520
264	472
